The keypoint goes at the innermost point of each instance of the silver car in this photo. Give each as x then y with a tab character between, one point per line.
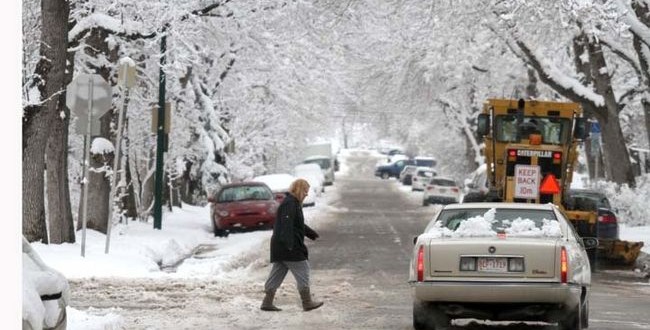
500	261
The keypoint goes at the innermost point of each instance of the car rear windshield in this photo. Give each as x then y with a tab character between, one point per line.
443	182
491	222
234	194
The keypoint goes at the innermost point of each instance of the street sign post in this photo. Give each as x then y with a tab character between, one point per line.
88	96
126	79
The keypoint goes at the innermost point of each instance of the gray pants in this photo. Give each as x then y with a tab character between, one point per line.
299	269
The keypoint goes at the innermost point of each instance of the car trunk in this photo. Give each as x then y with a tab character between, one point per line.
540	258
248	208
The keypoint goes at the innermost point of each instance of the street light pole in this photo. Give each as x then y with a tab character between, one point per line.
157	205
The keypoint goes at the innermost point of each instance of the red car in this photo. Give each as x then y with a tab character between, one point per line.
245	205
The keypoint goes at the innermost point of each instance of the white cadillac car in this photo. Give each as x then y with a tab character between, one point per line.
500	261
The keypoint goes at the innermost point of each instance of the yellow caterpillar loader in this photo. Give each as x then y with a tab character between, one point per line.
530	153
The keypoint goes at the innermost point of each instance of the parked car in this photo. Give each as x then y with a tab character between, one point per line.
424	161
589	199
476	186
313	174
244	205
421	177
500	261
46	293
280	183
391	169
441	190
325	163
406	175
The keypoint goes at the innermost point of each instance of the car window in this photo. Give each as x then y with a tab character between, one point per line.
235	194
490	222
443	182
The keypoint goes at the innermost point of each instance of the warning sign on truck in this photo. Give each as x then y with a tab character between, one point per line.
527	181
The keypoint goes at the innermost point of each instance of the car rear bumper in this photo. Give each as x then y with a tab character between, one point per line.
490	292
244	222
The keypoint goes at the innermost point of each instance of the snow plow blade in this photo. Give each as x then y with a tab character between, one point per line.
618	252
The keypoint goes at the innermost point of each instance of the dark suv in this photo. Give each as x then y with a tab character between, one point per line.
588	199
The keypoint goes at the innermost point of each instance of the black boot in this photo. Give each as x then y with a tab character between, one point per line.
267	303
307	303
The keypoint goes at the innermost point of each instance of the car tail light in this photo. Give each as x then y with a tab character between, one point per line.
430	188
454	190
607	218
420	265
467	264
564	265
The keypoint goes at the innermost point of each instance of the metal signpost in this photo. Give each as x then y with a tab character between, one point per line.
89	97
126	79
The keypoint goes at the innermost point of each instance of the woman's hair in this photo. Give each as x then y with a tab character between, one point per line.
299	189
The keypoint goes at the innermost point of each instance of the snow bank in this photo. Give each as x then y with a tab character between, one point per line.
632	204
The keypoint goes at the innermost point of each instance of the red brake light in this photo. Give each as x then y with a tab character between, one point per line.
512	153
420	265
564	265
607	218
557	155
429	188
454	189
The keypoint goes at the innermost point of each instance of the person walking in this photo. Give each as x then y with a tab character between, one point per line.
288	250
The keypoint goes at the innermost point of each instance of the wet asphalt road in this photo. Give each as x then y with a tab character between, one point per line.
371	241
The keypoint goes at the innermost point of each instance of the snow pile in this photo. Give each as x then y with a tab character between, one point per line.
87	320
632	204
484	226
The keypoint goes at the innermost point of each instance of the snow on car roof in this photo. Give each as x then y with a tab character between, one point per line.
317	157
307	168
277	182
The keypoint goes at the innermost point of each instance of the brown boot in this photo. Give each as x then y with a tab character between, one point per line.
307	303
267	303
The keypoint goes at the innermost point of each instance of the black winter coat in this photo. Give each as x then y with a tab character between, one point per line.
289	231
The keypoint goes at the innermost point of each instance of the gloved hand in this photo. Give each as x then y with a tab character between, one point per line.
312	235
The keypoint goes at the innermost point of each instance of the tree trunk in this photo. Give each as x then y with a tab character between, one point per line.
34	138
615	154
37	119
531	89
99	186
58	192
643	53
98	191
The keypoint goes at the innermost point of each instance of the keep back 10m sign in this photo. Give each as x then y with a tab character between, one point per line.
527	178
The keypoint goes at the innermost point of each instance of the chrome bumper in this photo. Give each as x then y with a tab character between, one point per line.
490	292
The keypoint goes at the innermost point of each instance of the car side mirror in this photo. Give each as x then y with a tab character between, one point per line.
590	243
415	239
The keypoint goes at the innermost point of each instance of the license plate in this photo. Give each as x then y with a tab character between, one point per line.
493	264
442	190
